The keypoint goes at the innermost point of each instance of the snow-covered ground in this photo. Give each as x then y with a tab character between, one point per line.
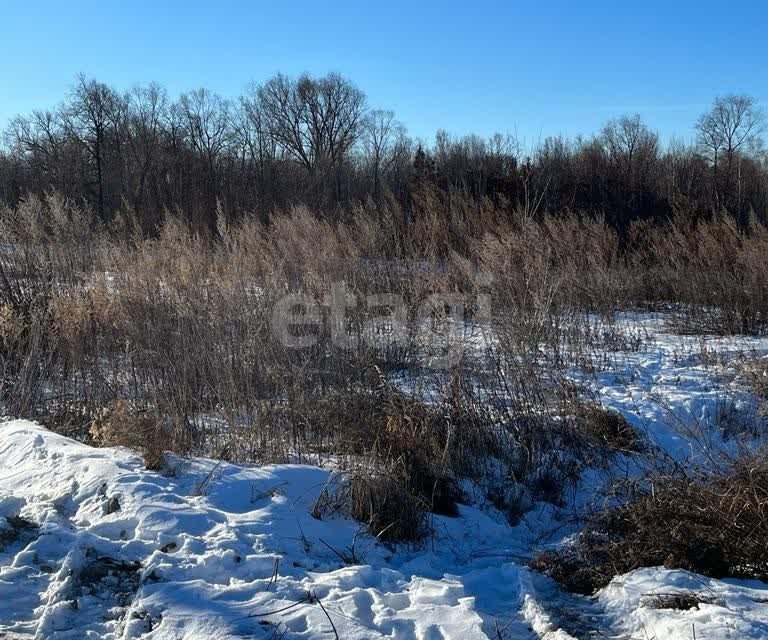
677	390
94	545
237	556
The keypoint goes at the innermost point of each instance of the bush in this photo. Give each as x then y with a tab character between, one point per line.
581	567
606	428
398	455
118	425
714	524
391	510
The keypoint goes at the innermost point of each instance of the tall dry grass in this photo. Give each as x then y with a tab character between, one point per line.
102	328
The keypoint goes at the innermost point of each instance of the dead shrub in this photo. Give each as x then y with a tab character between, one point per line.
679	600
715	524
10	323
509	498
581	567
713	271
180	323
71	314
606	428
392	510
547	485
119	425
379	499
402	458
755	373
577	262
403	438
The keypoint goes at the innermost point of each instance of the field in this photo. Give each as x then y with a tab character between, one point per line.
493	426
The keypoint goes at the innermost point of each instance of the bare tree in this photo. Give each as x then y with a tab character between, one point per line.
252	135
40	140
94	111
685	171
205	118
316	121
384	142
731	127
206	121
313	140
631	148
146	110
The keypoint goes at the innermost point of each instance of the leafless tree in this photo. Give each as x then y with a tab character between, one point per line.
384	142
205	118
733	126
252	135
92	114
206	121
685	170
315	120
39	139
631	148
471	163
146	110
313	140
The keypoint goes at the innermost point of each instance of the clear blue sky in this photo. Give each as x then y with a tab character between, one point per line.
531	68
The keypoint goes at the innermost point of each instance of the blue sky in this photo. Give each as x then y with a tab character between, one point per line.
530	68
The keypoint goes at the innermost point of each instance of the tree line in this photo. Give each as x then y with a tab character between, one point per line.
317	141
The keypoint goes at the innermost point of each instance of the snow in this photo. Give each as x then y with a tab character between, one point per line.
246	525
215	550
674	388
733	608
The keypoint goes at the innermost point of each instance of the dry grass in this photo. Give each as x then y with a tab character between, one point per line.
714	523
754	371
119	426
172	334
607	429
713	270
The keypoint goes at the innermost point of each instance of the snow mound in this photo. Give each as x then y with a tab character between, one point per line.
221	551
726	608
